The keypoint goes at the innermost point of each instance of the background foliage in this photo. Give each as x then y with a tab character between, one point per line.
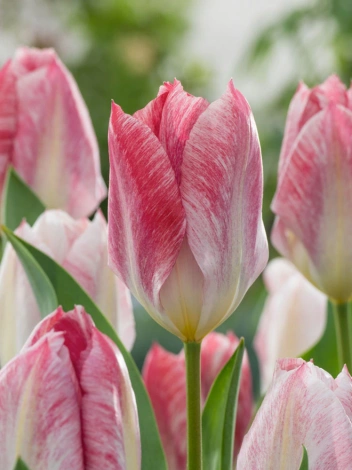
124	49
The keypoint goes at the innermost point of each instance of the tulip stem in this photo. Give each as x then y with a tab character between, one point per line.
194	419
343	334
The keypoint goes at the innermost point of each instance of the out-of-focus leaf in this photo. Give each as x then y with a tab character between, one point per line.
20	465
219	415
304	464
324	352
69	293
19	202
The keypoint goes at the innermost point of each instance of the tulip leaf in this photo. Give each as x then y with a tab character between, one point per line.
219	415
37	277
324	352
70	293
19	202
304	463
20	465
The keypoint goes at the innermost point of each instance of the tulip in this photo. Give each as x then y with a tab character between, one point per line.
46	133
165	379
314	194
79	246
185	226
293	319
306	407
66	400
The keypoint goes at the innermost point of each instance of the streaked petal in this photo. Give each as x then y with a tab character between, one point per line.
165	379
299	409
293	318
55	149
316	188
39	409
221	188
146	217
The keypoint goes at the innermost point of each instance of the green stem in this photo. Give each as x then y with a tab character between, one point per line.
343	334
194	418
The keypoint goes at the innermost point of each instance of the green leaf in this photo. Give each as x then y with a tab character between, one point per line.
19	202
324	352
219	415
70	293
39	281
20	465
304	463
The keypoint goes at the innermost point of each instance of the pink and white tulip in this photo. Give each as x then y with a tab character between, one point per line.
79	246
306	407
164	375
66	400
46	133
293	319
314	194
185	224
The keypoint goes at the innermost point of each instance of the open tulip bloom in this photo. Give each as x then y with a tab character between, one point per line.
185	235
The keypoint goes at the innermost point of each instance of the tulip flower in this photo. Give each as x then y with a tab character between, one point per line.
164	375
293	319
306	407
79	246
185	225
314	194
46	133
66	400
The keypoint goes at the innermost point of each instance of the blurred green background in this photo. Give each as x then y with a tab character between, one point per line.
124	49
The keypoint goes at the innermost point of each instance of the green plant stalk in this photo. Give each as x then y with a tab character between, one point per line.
194	420
343	334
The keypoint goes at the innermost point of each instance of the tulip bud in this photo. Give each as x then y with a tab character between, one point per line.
67	401
79	246
46	133
164	375
314	194
306	407
185	225
293	319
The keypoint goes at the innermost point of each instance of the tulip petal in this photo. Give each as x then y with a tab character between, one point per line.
221	189
320	172
39	409
293	319
299	409
55	149
164	375
146	216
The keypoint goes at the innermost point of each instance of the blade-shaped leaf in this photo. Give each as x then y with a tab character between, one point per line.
70	293
38	279
304	464
219	415
19	202
20	465
324	352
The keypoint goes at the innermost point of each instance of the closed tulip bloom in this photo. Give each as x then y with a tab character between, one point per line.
46	133
306	407
185	223
293	318
66	400
164	375
314	194
79	246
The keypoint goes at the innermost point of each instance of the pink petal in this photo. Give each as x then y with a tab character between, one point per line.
216	351
146	217
165	379
55	149
221	189
39	409
316	187
299	409
293	319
